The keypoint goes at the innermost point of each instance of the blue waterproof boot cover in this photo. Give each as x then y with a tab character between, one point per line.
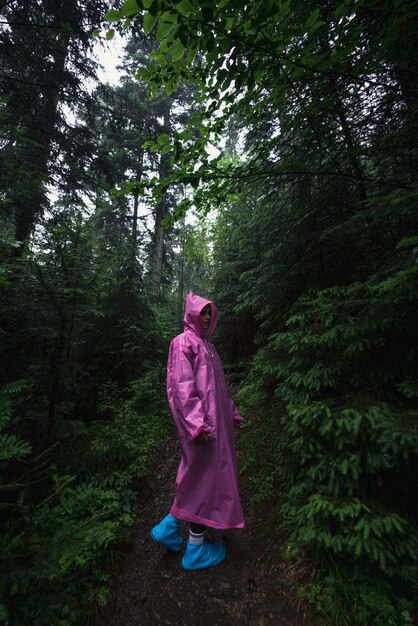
203	555
167	533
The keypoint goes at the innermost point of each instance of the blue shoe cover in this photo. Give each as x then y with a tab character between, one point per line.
202	555
167	533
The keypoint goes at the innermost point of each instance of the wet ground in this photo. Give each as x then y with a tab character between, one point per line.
253	586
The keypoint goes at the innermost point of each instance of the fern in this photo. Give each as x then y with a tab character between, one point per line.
70	529
11	445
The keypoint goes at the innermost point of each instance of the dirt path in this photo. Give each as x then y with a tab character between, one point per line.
248	588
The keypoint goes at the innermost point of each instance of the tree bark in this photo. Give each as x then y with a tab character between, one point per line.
181	277
35	109
160	211
136	205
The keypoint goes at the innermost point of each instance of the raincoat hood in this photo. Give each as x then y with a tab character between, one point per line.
192	320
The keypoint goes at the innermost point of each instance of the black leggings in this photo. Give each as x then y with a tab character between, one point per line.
197	528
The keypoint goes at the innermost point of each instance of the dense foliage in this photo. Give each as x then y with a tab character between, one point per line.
65	506
314	262
82	342
343	371
291	127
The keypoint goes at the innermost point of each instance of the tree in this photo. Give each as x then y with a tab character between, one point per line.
315	240
43	47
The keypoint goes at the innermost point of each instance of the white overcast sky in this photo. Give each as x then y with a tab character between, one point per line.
109	55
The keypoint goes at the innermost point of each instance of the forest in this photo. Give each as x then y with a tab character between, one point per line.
263	155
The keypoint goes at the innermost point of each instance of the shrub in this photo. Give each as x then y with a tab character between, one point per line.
344	369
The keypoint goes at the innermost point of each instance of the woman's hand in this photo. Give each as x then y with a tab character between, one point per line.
203	437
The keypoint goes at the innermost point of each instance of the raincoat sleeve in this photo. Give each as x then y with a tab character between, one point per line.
236	416
186	395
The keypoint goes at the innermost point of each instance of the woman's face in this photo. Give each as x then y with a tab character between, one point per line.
206	316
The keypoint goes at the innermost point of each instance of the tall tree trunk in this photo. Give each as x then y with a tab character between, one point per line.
160	211
181	276
350	144
136	205
349	138
56	379
36	109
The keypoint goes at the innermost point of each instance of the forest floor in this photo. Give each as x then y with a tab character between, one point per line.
254	586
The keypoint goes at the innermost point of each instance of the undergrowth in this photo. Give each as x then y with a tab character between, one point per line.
335	438
67	510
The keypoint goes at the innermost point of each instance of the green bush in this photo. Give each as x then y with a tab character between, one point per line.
65	518
343	377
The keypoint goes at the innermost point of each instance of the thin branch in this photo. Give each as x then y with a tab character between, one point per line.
272	173
69	536
50	294
308	118
27	82
283	57
33	24
6	4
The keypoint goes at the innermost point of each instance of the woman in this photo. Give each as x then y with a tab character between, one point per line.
207	492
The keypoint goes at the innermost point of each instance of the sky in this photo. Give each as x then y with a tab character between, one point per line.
109	54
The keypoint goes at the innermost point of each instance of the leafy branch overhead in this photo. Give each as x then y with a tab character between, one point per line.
277	65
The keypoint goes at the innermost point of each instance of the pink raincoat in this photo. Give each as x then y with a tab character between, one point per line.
207	479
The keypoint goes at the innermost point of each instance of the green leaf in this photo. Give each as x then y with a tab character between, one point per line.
225	44
161	59
192	51
113	15
186	134
163	29
167	220
165	46
127	23
163	138
129	8
312	19
165	149
95	33
183	35
110	34
344	9
185	7
177	52
148	22
169	17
